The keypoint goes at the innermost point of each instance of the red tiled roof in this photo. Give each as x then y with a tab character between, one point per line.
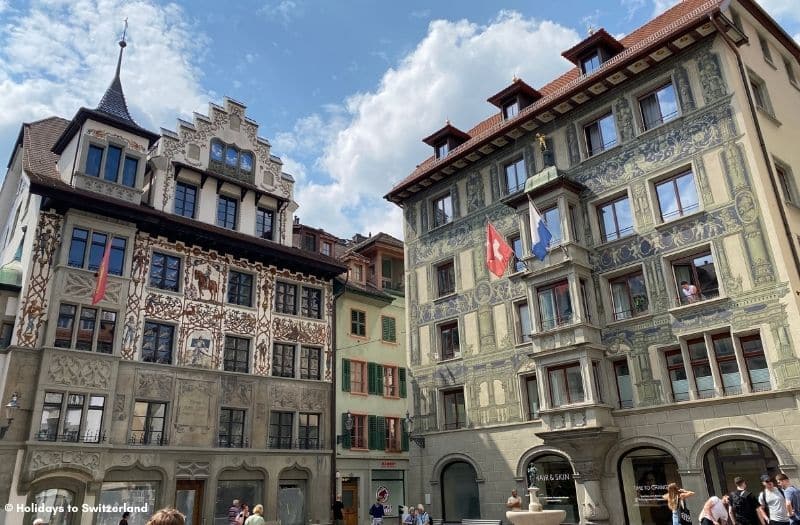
683	13
37	139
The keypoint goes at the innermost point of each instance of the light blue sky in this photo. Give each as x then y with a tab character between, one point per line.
344	90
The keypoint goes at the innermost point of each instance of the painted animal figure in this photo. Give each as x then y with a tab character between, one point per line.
204	282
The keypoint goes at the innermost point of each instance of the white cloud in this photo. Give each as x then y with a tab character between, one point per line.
421	13
375	142
632	6
284	11
784	11
56	56
659	6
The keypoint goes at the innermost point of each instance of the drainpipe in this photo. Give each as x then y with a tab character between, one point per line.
333	415
761	142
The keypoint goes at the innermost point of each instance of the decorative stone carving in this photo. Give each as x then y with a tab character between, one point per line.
153	385
684	89
313	399
309	332
72	371
80	285
475	197
191	470
237	392
194	406
120	408
283	396
110	189
710	72
68	458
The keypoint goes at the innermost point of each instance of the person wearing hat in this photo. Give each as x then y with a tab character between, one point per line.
743	504
772	510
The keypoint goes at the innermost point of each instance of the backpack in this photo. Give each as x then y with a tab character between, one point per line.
741	505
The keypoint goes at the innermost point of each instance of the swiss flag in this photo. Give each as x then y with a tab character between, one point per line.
102	275
498	252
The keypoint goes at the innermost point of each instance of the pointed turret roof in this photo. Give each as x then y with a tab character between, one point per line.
112	110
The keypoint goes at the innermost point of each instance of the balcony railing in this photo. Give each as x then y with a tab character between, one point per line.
71	437
158	439
224	442
297	444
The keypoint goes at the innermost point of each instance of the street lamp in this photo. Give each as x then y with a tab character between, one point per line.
9	411
409	424
348	426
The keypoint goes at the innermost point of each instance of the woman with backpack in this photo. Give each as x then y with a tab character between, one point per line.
676	502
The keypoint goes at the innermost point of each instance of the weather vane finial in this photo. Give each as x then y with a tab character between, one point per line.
124	33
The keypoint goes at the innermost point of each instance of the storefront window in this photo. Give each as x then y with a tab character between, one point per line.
139	494
553	476
292	502
246	491
460	498
644	474
388	487
744	458
50	501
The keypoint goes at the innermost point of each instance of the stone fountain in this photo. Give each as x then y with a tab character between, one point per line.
535	515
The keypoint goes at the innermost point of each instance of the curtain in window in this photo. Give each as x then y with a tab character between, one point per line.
595	138
622	305
651	111
558	388
625	389
575	384
683	272
547	308
563	303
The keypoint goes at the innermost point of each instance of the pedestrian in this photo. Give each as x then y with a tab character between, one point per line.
244	514
376	511
338	511
422	516
743	504
233	512
514	502
676	501
792	495
168	516
124	520
715	511
773	509
408	517
39	521
256	518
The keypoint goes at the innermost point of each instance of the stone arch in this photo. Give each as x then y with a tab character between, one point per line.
539	450
73	480
619	449
708	440
445	460
296	468
244	465
136	466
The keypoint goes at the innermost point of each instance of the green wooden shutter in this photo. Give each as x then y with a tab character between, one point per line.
373	432
371	378
381	433
379	380
405	439
345	433
389	329
345	375
401	374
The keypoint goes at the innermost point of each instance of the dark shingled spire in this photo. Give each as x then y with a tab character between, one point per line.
113	101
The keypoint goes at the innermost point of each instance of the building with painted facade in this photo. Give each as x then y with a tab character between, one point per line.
657	341
204	373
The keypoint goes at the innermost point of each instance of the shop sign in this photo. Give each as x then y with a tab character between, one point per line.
388	464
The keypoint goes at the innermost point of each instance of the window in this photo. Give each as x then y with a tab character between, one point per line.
737	21
237	354
82	422
157	342
240	288
446	278
283	360
112	163
658	107
358	273
624	384
264	223
358	377
229	159
448	339
532	391
760	96
394	434
787	63
552	218
226	212
94	159
701	369
678	379
555	306
511	109
327	248
785	183
309	362
725	355
587	316
308	430
310	302
628	296
165	272
765	48
358	323
97	247
147	427
129	170
442	210
117	170
597	382
574	222
280	429
231	428
185	199
455	413
566	385
756	363
285	298
390	382
519	253
358	434
388	329
615	219
677	196
523	322
515	176
600	134
309	242
90	335
442	149
695	278
6	333
591	62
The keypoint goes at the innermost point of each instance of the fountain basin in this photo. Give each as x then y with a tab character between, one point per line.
542	517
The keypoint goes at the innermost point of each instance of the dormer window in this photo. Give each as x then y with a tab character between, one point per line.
230	160
110	161
447	138
593	51
442	149
511	109
591	62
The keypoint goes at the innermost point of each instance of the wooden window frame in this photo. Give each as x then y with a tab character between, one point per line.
452	350
619	232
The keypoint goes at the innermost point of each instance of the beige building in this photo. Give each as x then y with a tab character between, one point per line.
656	341
204	373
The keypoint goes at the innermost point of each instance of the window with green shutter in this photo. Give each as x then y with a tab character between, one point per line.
372	379
345	375
388	329
345	433
372	427
380	432
379	380
401	374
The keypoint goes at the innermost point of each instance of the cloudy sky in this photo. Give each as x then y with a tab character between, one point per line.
344	90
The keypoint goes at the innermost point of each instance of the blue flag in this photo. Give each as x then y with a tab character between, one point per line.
540	235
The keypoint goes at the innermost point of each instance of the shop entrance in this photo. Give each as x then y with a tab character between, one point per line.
644	474
189	500
748	459
350	500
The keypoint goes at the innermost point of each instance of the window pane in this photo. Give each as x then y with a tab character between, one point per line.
116	259
231	157
129	172
547	309
558	387
217	149
442	210
226	212
524	317
64	326
94	159
86	329
608	130
624	384
246	162
532	390
112	163
264	220
667	102
688	193
77	248
185	197
574	384
667	200
552	219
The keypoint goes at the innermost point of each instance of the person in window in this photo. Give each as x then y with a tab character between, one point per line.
675	501
690	292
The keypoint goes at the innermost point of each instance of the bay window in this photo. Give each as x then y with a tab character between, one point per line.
566	384
555	306
628	296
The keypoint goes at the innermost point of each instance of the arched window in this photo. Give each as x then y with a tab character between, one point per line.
460	499
553	476
644	474
741	457
51	502
229	160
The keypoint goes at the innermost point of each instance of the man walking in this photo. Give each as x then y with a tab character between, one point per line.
743	504
376	511
772	503
233	512
338	508
792	495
